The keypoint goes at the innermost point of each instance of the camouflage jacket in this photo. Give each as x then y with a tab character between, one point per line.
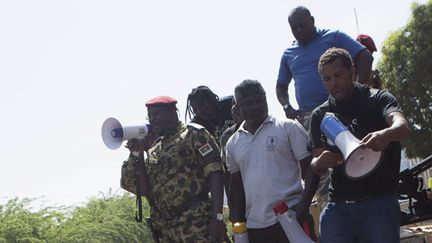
177	167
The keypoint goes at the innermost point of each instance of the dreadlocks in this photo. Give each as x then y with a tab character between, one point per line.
199	93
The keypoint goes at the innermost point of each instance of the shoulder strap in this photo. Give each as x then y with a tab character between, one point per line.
195	125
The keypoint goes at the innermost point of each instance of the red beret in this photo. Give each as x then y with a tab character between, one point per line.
367	42
161	100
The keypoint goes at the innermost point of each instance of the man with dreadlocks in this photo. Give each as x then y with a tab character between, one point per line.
206	108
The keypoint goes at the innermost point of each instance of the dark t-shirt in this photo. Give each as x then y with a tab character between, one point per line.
364	113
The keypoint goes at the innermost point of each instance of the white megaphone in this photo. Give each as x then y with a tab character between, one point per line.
359	161
113	133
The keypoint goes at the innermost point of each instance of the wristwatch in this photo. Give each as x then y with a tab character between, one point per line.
285	107
219	217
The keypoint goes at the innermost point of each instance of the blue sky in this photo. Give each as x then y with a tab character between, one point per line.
65	66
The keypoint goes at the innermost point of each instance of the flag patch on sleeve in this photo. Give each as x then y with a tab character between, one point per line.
205	149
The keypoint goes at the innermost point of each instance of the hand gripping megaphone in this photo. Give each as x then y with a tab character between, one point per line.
113	133
359	162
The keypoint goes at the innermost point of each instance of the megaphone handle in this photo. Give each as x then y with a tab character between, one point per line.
138	216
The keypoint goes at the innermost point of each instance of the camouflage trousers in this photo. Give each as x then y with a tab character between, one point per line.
193	231
190	227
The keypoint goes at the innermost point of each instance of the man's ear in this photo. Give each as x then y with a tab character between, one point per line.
239	109
313	20
353	73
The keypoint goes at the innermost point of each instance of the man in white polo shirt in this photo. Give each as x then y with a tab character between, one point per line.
266	157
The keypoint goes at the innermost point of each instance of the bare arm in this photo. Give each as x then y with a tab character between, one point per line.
216	189
321	161
216	227
283	98
305	166
397	131
311	185
399	128
311	180
363	63
238	199
282	94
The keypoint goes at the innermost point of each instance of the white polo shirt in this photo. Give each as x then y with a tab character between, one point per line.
269	164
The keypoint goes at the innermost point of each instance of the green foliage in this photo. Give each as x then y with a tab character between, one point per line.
18	224
407	71
109	218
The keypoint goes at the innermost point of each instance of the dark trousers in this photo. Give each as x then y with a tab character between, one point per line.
274	234
374	220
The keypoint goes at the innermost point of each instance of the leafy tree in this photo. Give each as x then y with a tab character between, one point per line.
18	224
406	68
108	218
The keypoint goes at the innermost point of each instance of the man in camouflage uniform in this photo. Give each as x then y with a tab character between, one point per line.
182	166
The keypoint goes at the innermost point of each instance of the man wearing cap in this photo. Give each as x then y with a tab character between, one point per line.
374	78
181	168
362	209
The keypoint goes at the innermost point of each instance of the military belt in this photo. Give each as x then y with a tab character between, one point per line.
184	206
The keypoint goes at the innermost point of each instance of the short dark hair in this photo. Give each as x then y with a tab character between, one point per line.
332	54
299	10
248	87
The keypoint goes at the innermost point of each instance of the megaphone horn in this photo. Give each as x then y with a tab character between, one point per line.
359	162
113	133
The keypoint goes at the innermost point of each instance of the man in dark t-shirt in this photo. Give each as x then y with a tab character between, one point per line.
366	209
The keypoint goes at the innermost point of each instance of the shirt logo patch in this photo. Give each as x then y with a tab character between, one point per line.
205	149
271	143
